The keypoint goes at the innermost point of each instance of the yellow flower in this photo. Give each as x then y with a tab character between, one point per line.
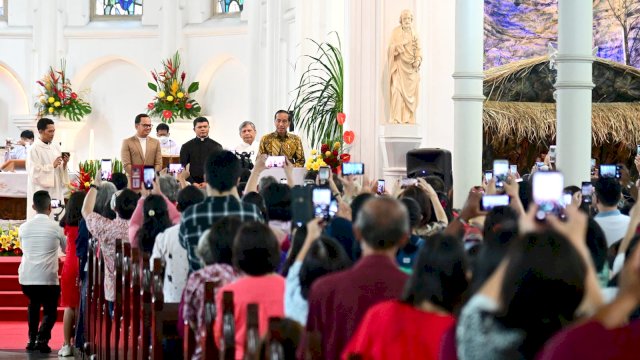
161	94
180	95
169	98
57	104
51	99
87	184
174	86
316	166
48	85
314	151
50	110
328	153
336	146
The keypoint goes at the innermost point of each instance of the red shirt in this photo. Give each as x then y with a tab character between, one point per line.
592	341
338	301
395	330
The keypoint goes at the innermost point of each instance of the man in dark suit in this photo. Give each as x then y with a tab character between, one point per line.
196	151
141	149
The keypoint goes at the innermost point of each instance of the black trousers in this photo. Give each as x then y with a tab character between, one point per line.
45	296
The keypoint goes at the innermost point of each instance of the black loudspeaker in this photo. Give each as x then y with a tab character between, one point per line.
424	162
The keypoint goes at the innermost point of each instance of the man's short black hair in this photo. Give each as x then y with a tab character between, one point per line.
255	249
199	119
139	118
222	170
608	191
43	123
27	134
119	180
126	203
41	201
188	196
282	112
162	126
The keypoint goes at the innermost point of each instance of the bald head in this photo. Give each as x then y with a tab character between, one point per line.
383	223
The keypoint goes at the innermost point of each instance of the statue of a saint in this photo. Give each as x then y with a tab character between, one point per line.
405	58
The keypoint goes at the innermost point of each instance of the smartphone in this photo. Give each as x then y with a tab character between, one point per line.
309	182
488	202
539	164
408	182
380	189
352	168
175	169
66	154
587	191
513	169
567	198
552	153
148	176
547	188
608	171
500	171
323	174
593	167
55	203
283	181
488	175
638	150
105	169
321	198
333	208
275	161
301	206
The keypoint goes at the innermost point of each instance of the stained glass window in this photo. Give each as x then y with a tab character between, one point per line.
229	6
117	8
3	9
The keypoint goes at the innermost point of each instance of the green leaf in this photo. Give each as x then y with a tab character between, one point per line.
152	86
193	87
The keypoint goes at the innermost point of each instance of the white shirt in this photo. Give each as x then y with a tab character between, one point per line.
42	175
40	238
167	247
613	224
244	147
168	146
295	306
143	145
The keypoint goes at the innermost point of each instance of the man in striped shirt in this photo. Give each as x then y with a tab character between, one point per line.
222	171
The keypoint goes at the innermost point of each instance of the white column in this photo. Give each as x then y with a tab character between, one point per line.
171	27
468	98
574	84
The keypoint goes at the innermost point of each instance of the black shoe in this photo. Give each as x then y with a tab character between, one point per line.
43	347
31	346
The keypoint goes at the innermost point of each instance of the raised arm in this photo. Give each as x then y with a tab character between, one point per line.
252	182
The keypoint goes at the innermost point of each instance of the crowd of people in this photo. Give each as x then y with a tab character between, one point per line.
396	274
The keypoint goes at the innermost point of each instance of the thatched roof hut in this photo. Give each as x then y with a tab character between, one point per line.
520	114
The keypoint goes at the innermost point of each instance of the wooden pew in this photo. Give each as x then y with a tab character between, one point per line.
207	341
228	338
114	335
105	323
274	339
189	341
164	316
145	313
98	304
134	323
126	301
252	343
89	312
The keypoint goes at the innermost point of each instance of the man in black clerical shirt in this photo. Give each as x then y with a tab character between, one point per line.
196	151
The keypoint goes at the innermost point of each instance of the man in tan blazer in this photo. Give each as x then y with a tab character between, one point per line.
141	149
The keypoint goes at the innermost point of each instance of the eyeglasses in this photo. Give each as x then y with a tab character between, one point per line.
146	126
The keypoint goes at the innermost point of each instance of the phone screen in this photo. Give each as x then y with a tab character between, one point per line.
55	203
488	175
491	201
547	193
175	169
105	169
513	169
321	198
148	176
566	199
552	153
637	149
275	161
408	182
500	171
608	171
380	189
587	191
352	168
323	173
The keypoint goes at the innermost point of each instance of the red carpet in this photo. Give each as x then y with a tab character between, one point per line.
13	309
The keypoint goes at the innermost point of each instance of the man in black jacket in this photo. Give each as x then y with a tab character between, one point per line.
196	151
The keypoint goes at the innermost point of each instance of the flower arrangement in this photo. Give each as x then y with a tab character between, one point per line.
172	101
327	156
57	97
10	242
87	172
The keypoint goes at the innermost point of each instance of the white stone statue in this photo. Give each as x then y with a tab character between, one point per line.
405	58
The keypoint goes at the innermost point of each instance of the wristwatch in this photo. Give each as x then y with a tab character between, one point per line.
93	186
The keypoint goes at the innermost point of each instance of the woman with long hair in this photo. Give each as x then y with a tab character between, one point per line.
70	293
156	220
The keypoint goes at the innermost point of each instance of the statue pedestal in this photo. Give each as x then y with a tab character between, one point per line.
396	141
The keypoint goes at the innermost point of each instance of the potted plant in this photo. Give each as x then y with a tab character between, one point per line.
57	97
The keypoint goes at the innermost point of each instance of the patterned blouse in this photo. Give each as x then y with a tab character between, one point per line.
193	296
107	231
289	145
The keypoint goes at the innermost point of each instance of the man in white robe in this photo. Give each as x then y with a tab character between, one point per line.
46	166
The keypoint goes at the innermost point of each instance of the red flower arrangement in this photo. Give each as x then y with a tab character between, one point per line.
83	183
332	156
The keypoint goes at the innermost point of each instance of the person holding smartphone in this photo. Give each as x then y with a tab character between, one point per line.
46	165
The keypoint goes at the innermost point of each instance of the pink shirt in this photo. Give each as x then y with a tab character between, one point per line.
138	218
267	291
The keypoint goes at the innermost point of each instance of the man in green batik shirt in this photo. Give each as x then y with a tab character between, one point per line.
281	143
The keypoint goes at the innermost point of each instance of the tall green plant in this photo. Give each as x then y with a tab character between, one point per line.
320	94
